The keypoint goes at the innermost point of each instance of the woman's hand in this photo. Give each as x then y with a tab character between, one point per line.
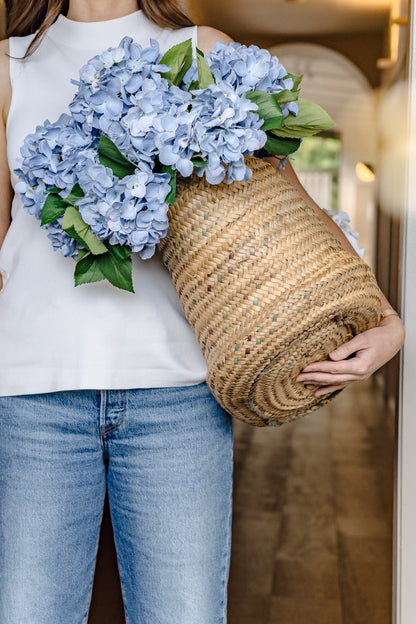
370	350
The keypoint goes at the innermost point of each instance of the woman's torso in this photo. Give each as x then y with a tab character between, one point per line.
54	336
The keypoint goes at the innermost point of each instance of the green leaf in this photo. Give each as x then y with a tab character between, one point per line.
287	96
310	120
74	225
82	253
268	109
172	172
75	194
54	189
53	208
55	205
205	77
119	252
279	146
87	270
91	269
198	161
194	85
179	59
97	268
110	156
119	273
296	80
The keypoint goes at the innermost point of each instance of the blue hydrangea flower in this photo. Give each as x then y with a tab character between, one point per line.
49	158
247	69
226	127
62	241
342	219
131	211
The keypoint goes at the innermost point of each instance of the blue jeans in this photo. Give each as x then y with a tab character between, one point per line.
165	457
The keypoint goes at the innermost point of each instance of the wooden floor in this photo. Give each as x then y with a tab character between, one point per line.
312	531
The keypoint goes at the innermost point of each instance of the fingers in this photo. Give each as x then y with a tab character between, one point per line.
350	347
328	390
328	372
326	379
326	366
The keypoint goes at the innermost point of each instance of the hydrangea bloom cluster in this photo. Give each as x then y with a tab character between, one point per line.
342	219
222	127
122	92
247	69
130	211
48	159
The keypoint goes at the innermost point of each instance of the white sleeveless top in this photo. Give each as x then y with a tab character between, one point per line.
54	336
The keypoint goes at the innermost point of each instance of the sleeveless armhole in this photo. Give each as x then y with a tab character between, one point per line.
12	59
12	72
17	49
10	69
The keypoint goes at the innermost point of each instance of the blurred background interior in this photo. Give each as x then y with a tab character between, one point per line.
313	520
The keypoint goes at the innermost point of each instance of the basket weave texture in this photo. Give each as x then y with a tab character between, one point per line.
266	288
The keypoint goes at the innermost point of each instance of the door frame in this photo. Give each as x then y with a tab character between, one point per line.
404	572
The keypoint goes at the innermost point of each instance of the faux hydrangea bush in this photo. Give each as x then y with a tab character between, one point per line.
101	178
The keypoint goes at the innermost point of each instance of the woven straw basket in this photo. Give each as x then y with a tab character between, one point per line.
266	288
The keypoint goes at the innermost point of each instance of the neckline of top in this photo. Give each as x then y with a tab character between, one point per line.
73	33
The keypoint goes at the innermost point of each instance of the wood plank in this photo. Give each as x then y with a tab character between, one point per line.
360	511
255	540
307	559
261	464
366	580
363	456
307	611
261	459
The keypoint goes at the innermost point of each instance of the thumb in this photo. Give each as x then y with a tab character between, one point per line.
347	349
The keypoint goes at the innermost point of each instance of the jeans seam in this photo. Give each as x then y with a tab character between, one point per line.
120	573
227	554
103	406
91	583
105	430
